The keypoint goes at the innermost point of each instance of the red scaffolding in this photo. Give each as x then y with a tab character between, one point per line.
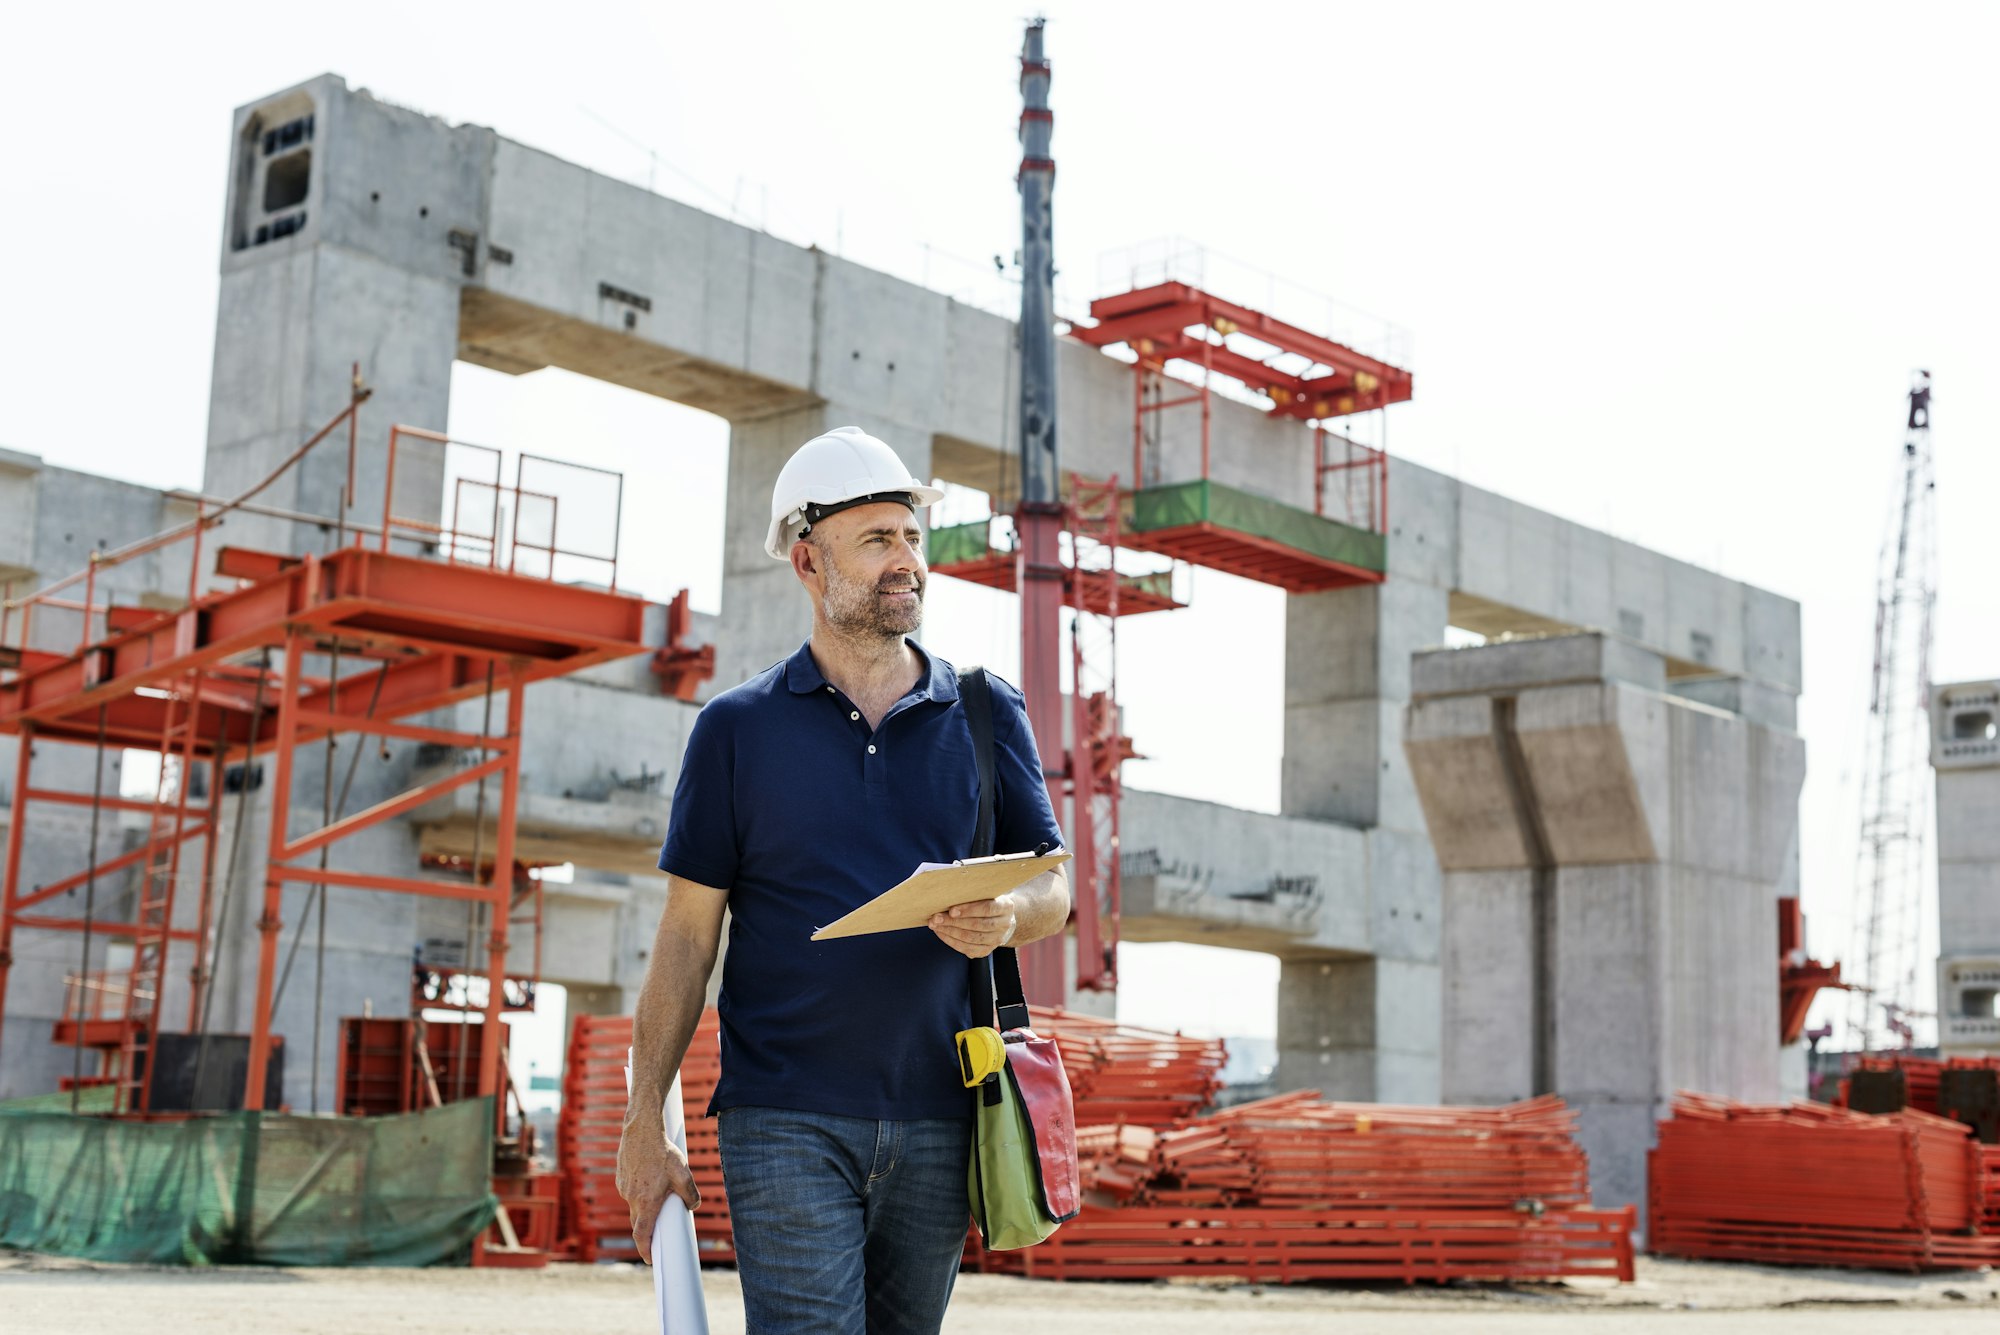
1299	375
1095	594
222	681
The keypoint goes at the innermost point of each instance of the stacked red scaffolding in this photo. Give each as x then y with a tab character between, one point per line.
1813	1185
700	1069
595	1222
1119	1074
1283	1190
1291	1189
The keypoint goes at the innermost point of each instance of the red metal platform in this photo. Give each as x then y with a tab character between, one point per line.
1251	557
1301	375
1155	323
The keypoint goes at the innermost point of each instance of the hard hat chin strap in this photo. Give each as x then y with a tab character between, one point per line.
814	512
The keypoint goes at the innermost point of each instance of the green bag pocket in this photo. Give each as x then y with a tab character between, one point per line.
1002	1177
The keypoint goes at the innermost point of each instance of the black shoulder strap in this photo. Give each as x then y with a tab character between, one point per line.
998	976
977	694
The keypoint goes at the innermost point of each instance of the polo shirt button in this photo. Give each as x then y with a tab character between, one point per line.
871	750
855	714
829	690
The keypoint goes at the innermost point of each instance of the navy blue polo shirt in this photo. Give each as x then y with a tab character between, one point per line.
790	802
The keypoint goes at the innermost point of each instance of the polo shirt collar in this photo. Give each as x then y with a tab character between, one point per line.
939	682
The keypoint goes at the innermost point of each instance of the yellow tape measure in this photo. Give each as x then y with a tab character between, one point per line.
981	1053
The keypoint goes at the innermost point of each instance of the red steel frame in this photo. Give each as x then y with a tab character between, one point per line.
1094	595
1097	748
1155	323
436	633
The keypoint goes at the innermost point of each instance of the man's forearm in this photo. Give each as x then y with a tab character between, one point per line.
663	1023
1041	907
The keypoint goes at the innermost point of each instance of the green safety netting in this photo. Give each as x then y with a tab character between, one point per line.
91	1099
1210	502
959	542
247	1188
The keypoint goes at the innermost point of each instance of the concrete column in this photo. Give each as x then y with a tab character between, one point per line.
371	274
1359	1028
1347	677
1611	855
1347	657
1326	1026
362	260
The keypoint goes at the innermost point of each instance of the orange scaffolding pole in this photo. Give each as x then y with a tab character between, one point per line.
9	888
501	887
270	923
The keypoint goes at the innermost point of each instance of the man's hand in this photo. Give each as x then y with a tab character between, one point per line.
650	1169
978	929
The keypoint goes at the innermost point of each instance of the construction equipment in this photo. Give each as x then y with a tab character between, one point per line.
248	668
1891	892
1298	374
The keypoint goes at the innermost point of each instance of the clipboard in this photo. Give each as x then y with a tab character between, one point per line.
935	886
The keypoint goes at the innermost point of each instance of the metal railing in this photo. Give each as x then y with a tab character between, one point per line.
492	523
486	522
88	996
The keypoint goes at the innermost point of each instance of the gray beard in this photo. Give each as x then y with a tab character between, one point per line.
853	608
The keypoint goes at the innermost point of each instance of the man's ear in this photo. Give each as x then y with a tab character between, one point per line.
805	561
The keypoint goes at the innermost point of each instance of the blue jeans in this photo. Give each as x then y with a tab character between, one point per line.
844	1225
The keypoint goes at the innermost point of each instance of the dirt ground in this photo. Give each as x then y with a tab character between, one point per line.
39	1294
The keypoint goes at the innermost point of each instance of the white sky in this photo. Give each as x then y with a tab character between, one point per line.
1668	268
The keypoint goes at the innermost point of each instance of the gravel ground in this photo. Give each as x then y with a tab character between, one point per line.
39	1294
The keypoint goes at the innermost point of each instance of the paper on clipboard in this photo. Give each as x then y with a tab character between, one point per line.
935	887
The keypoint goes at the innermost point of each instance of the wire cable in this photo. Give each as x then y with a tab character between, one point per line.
89	911
235	861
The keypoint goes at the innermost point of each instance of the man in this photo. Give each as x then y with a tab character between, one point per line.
804	793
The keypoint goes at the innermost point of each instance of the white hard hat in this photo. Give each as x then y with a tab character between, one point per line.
829	473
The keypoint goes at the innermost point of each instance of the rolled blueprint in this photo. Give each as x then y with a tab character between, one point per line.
676	1264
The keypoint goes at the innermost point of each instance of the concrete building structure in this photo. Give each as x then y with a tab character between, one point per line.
360	231
1613	851
1965	755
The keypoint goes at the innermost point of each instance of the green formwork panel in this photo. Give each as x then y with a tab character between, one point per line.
1185	503
247	1188
960	542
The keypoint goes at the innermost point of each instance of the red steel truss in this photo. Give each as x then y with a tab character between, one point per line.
1094	596
1336	381
1098	748
223	680
1302	376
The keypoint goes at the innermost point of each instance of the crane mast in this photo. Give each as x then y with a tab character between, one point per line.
1895	794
